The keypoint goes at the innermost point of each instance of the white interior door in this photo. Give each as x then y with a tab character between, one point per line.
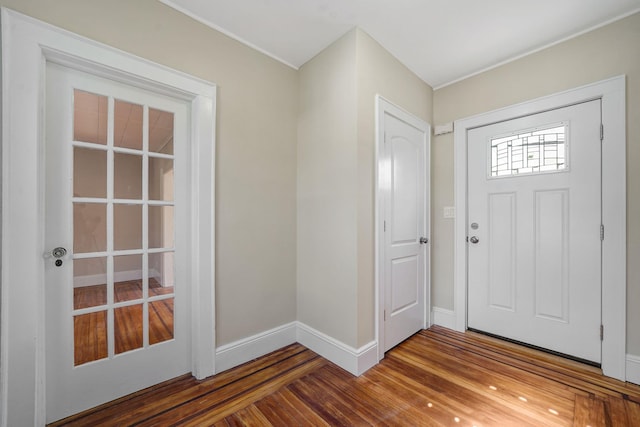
116	192
534	201
406	226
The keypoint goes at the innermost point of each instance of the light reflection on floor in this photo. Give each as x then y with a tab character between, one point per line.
494	388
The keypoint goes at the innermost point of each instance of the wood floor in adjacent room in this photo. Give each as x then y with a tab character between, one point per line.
436	378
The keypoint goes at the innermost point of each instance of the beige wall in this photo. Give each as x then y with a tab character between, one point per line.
336	180
327	192
609	51
256	147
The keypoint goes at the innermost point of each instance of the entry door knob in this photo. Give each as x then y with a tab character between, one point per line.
424	240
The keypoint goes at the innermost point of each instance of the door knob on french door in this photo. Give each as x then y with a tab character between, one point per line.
424	240
58	252
474	240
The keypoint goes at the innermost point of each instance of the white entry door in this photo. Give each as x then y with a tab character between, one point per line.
404	164
117	287
534	212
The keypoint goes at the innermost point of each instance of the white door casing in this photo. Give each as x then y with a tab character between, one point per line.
402	222
611	92
76	386
27	46
534	254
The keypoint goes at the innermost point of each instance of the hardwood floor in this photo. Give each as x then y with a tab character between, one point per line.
436	378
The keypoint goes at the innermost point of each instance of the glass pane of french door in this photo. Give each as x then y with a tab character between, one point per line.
123	226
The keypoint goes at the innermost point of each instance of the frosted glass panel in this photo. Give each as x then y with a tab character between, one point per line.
161	273
89	172
127	328
161	227
127	171
127	277
89	227
89	282
90	117
160	321
160	179
160	131
127	125
127	227
90	332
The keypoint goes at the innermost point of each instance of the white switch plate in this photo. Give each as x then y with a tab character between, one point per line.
449	212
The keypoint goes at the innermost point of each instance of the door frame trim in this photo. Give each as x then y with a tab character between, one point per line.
27	45
383	106
614	254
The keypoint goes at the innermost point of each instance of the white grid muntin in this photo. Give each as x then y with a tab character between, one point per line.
110	202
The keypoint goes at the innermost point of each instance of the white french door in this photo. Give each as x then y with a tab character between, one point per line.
534	212
404	168
116	233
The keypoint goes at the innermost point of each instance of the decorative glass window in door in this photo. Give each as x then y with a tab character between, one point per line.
529	152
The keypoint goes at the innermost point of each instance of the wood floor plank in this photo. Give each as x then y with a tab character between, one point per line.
633	412
420	395
365	398
465	404
438	378
500	388
370	401
590	411
476	369
563	370
213	407
323	402
174	394
272	412
616	411
301	413
249	416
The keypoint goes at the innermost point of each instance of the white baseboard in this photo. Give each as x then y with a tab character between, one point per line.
236	353
100	279
355	361
443	317
119	276
633	369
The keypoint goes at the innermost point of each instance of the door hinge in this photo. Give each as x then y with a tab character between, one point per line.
384	314
601	332
384	226
601	232
601	132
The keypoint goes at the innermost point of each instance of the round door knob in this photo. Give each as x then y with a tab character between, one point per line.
474	240
59	252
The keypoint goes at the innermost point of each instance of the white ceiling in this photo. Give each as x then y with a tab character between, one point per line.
441	41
